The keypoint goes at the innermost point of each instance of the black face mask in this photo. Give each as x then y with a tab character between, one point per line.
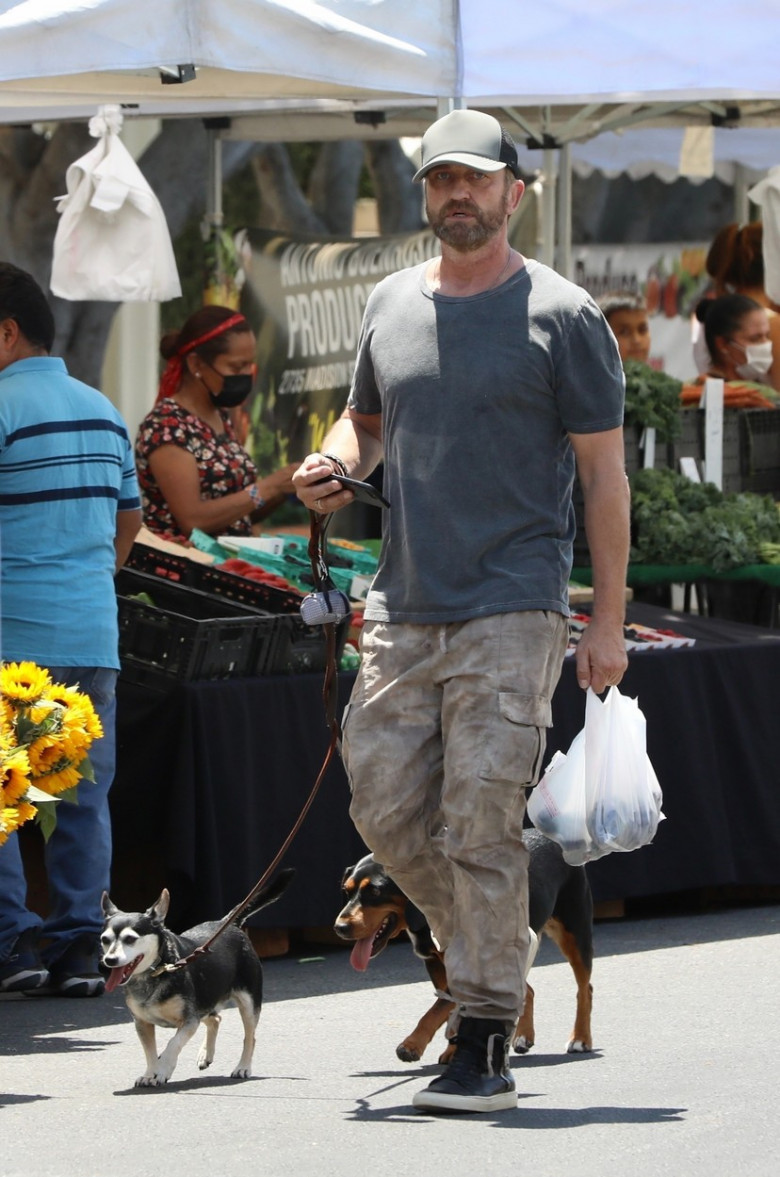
235	390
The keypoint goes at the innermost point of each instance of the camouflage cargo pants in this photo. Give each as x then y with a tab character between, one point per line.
445	729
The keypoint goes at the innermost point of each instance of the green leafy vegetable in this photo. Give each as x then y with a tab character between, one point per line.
677	521
652	399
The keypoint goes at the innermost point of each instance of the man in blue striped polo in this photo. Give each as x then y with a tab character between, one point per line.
69	512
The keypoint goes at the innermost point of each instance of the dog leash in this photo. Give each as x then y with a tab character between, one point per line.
318	526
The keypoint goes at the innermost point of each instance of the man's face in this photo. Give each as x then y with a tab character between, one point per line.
632	331
466	208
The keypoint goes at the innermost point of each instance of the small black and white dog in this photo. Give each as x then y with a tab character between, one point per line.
135	948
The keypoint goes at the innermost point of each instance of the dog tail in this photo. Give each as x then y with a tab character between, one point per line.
268	895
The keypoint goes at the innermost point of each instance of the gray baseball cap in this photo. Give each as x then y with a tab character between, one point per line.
468	137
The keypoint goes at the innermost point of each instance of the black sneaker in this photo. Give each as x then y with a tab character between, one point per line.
76	973
478	1078
23	970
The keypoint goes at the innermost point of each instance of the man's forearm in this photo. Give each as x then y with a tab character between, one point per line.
607	527
357	442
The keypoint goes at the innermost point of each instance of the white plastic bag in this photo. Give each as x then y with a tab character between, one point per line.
603	795
112	241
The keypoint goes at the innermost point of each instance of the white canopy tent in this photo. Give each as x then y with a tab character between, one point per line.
556	74
559	74
565	70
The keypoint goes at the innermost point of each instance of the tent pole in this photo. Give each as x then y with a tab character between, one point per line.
741	201
445	105
563	262
214	211
547	250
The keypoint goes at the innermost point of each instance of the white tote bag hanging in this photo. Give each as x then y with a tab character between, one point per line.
112	241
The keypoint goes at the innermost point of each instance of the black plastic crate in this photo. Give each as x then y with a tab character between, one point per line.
303	647
298	648
209	578
760	450
187	634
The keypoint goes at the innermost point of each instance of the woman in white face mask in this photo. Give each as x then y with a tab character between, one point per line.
735	262
736	330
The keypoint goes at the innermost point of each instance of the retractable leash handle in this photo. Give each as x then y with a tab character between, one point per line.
330	599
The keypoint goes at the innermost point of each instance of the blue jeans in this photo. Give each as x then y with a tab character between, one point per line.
78	854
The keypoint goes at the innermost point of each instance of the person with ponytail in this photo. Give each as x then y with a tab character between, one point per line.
192	469
735	262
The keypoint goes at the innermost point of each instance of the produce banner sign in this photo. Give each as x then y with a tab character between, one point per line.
305	298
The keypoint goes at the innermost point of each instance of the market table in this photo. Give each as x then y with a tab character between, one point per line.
650	575
211	776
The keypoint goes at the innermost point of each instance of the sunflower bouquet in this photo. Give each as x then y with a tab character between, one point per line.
46	730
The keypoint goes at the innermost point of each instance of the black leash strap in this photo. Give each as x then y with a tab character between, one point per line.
318	526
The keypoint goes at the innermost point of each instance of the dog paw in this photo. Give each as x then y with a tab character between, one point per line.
407	1053
241	1072
521	1044
577	1046
204	1060
156	1080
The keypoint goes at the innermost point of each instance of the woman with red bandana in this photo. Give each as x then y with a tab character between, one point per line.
192	469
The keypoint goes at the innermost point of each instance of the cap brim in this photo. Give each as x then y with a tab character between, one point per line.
479	163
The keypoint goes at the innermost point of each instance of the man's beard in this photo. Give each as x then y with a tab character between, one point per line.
467	235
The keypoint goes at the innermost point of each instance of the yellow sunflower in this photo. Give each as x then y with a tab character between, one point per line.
6	713
22	683
67	696
12	818
43	710
44	756
14	774
61	776
80	724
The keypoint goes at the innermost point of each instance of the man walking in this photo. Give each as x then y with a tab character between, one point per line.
481	376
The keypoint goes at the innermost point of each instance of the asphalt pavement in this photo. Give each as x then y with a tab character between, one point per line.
682	1080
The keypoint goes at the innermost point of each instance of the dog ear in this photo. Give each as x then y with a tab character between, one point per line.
159	910
109	908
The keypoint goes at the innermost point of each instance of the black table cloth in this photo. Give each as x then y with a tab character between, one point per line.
212	775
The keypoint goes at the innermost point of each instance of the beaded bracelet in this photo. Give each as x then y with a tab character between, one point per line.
339	462
254	493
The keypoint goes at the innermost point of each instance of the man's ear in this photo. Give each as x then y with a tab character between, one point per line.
10	336
515	195
9	332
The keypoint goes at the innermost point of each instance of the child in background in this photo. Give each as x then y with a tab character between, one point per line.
626	314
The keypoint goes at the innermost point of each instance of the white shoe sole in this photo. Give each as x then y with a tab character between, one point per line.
435	1101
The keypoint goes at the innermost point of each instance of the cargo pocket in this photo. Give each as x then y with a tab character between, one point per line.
515	739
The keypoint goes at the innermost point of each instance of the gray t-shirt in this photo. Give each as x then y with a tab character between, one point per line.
477	396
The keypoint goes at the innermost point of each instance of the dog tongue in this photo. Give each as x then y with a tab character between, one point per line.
361	954
114	979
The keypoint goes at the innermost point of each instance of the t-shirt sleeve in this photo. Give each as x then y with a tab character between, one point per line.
129	494
364	393
590	383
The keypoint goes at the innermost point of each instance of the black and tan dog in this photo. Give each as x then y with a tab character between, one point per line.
560	905
136	947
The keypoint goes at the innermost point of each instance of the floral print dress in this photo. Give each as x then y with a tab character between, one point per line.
224	465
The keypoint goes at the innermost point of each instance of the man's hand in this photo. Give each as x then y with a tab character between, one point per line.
317	489
601	655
